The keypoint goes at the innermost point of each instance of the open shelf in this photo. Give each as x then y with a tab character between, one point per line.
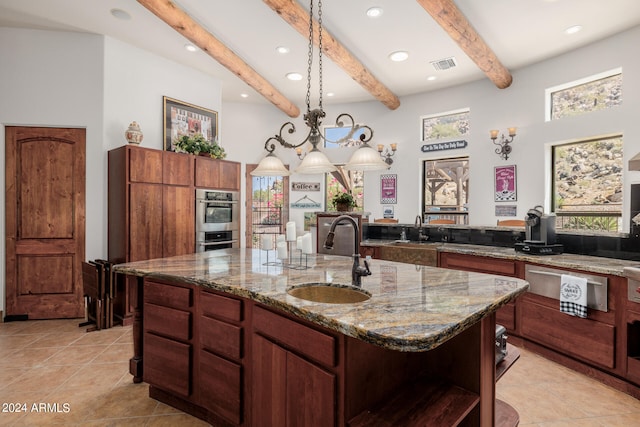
422	403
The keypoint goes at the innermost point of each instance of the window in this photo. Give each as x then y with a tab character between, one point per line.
587	184
593	93
343	180
445	125
446	189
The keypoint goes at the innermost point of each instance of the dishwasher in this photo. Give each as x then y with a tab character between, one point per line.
344	237
546	282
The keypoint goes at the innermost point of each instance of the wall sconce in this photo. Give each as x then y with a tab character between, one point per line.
386	154
504	149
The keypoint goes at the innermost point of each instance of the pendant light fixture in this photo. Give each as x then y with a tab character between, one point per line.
315	161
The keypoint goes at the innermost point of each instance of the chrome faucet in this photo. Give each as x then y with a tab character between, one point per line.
418	225
357	271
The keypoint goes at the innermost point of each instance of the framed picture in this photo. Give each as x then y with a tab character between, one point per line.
388	188
181	118
505	183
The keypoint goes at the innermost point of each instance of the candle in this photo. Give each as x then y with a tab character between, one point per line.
291	231
298	151
394	147
494	134
306	244
512	131
380	148
299	243
282	250
266	242
280	238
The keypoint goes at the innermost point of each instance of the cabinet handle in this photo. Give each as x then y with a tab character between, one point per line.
548	273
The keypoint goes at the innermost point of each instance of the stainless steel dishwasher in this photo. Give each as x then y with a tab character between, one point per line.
343	241
546	282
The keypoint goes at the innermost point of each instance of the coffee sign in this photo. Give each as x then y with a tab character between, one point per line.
305	186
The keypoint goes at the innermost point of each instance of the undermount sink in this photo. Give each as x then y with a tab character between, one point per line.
410	244
329	293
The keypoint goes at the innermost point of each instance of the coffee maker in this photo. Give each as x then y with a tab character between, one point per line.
540	233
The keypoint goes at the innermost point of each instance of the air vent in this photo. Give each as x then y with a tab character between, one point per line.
444	64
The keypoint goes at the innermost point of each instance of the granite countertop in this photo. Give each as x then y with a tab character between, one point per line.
412	308
585	263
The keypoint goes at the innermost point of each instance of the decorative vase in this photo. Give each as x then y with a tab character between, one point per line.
133	133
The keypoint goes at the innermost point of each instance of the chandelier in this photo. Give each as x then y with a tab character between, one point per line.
365	158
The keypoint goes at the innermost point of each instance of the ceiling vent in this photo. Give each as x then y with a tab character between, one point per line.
444	64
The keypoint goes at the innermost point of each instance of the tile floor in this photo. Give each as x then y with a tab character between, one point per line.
86	375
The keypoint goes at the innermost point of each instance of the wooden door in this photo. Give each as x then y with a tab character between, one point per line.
45	221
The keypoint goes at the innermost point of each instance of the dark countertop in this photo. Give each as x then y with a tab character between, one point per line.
412	308
587	263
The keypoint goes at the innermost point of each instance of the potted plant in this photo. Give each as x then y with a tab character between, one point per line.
343	201
198	145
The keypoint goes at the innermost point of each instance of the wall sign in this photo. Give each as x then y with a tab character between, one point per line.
505	184
388	188
305	186
440	146
305	203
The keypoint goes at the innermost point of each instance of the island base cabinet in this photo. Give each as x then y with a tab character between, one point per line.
167	364
288	390
220	384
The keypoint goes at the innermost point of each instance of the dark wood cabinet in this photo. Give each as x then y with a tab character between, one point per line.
217	174
505	316
168	337
150	211
287	389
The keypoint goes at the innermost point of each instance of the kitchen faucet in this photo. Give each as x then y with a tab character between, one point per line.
357	271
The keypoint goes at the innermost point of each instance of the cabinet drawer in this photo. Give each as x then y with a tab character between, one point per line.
166	364
295	336
167	295
167	321
214	305
221	386
477	263
585	339
220	337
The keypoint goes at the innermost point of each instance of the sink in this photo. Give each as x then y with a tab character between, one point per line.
329	293
418	253
410	244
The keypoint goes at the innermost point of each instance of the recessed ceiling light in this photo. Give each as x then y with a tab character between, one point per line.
294	76
244	95
190	47
573	30
399	56
120	14
374	12
431	78
282	49
330	94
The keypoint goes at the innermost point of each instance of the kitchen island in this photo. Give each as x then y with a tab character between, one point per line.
218	335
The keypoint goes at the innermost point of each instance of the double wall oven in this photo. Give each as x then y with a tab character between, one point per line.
217	220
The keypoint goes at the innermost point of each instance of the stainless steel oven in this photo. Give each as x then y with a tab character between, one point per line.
217	219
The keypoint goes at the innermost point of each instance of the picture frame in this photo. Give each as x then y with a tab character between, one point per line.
181	118
505	184
388	188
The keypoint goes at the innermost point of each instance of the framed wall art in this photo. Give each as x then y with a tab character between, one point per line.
181	118
505	184
388	189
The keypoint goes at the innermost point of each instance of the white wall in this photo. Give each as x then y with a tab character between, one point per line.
521	105
67	79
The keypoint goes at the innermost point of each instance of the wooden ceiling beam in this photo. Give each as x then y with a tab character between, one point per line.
451	19
175	17
296	16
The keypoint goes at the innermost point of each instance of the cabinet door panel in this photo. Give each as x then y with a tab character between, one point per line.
269	385
177	168
311	394
583	338
178	228
145	165
145	222
166	364
221	386
229	175
207	174
476	263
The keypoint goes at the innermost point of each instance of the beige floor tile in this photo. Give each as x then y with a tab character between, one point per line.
172	420
105	336
55	340
124	400
27	357
96	377
116	353
74	355
44	378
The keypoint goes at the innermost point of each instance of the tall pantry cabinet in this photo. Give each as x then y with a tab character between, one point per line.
151	210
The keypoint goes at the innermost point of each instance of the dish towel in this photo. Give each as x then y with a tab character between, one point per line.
573	295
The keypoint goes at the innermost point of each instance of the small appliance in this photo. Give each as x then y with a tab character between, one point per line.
540	234
501	343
